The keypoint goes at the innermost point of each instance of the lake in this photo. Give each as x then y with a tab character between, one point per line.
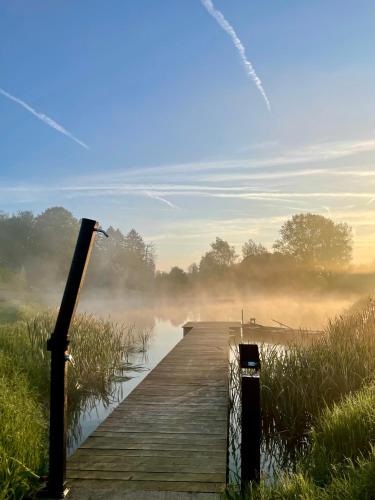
166	320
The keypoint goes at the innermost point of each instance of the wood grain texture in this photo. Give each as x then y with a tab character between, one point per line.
170	433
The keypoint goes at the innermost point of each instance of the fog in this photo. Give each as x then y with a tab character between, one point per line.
296	311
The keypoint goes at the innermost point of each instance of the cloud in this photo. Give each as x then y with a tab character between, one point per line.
228	28
321	152
44	118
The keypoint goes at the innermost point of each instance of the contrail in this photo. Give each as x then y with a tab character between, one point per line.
46	119
154	196
228	28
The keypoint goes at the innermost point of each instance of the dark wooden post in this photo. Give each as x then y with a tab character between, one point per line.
58	345
250	414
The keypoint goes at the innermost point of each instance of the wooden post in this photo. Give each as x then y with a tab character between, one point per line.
250	414
58	345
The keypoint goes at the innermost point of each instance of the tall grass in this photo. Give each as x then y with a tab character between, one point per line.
344	433
299	381
340	462
100	350
22	432
318	417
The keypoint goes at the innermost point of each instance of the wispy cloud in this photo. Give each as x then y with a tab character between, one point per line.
323	153
44	118
228	28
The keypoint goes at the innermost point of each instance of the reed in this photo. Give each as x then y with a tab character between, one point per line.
339	464
345	433
299	381
100	349
22	433
318	416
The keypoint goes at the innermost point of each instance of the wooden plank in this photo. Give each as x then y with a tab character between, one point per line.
146	464
148	476
87	488
204	455
170	433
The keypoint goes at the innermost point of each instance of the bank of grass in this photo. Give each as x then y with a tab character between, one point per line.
299	381
318	404
11	311
100	349
22	432
340	461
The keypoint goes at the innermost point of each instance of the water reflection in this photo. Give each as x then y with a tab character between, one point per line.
163	338
165	319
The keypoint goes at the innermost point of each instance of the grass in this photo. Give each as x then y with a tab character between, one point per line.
298	382
344	433
318	417
14	311
22	432
340	462
100	349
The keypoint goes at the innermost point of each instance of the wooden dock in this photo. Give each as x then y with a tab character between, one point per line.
168	438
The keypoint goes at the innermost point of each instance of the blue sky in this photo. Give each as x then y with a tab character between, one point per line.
181	145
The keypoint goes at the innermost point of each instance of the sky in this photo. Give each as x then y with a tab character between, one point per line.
190	119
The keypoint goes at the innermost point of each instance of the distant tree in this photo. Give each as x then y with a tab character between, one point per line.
252	249
193	269
315	241
218	259
177	276
139	258
223	253
52	244
15	238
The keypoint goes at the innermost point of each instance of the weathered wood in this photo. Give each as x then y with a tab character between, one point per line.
170	433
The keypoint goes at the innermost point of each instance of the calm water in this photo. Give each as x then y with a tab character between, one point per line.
166	320
164	337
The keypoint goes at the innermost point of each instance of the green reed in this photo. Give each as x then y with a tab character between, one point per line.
22	432
100	350
318	419
299	381
338	464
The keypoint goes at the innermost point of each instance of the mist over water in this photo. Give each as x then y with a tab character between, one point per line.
297	311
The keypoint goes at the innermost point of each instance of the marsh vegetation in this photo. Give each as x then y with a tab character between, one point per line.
101	351
318	423
304	279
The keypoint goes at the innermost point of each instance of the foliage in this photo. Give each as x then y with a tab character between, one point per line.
42	246
252	249
318	415
222	255
316	241
100	348
312	254
299	381
340	463
22	432
345	432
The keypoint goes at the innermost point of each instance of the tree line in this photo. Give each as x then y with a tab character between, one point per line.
36	251
312	252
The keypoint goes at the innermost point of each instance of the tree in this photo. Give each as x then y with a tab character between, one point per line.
315	241
15	234
193	269
252	249
218	259
221	254
52	243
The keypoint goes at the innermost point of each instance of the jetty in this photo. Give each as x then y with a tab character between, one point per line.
169	438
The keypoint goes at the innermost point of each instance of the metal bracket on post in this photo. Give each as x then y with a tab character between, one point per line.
58	345
250	414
